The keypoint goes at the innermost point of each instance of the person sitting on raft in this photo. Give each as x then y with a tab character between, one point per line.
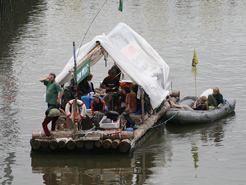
130	101
216	98
97	105
198	105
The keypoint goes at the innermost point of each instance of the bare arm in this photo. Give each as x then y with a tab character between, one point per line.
104	87
43	79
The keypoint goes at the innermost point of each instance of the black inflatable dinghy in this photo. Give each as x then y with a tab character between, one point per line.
182	116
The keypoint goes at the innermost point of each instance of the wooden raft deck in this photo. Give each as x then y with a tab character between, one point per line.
102	140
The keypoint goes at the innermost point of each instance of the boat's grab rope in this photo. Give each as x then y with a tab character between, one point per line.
137	126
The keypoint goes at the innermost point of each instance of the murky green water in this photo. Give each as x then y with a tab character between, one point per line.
40	42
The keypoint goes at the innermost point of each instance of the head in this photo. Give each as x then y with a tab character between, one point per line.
126	90
216	90
89	77
52	77
96	98
204	101
111	73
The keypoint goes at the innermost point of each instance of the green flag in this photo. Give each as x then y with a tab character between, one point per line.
194	63
120	5
83	72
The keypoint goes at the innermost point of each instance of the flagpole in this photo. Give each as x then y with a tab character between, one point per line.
195	86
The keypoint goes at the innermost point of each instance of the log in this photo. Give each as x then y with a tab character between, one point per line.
125	145
115	143
98	143
175	94
53	144
70	144
107	143
35	144
122	135
45	143
38	134
80	144
62	143
89	145
143	128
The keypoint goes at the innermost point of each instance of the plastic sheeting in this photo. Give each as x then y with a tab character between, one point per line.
133	55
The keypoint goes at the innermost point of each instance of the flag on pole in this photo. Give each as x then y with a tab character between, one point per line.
194	63
120	6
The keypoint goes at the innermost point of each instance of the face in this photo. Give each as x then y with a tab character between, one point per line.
51	78
216	92
111	76
96	99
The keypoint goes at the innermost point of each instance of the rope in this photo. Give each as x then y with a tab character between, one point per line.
158	124
230	104
90	25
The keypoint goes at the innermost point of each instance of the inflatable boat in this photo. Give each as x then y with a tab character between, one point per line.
182	116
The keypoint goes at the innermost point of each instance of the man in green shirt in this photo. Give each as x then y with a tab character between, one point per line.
52	90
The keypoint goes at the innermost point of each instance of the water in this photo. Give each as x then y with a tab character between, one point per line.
41	42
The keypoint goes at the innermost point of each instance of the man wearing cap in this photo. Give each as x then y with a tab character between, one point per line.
97	105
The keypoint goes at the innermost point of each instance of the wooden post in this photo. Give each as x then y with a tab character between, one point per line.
142	103
115	143
75	117
107	143
125	145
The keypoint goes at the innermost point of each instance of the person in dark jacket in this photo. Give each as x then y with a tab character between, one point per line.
97	105
216	98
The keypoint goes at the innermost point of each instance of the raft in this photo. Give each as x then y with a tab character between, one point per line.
106	137
182	116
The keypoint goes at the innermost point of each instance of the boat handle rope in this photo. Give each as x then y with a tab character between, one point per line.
230	104
137	127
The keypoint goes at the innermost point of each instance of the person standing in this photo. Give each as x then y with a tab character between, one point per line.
53	101
52	90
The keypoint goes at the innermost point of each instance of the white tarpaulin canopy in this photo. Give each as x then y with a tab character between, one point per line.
133	55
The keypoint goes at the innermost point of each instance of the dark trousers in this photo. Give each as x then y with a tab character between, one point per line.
46	122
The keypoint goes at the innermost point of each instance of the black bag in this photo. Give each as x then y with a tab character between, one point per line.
112	115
